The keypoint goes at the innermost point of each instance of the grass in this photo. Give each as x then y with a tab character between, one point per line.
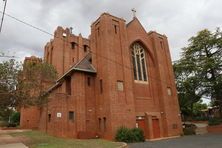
39	139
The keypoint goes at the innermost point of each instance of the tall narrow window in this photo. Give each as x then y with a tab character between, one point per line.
115	27
139	63
68	85
161	44
47	58
101	85
88	81
100	124
90	60
98	32
104	122
85	48
73	45
51	55
49	117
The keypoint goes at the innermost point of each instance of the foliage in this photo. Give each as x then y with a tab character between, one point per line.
214	121
31	88
199	71
23	85
15	118
9	71
198	107
138	135
124	134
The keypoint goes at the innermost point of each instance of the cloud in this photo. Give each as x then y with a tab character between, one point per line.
178	19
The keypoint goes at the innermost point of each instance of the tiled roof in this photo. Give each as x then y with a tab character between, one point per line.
83	65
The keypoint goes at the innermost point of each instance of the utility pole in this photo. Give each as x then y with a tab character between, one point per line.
3	15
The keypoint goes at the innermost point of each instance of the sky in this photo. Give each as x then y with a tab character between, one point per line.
177	19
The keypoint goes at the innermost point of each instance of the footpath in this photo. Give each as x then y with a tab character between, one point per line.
7	141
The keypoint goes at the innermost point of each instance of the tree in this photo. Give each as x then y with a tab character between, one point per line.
33	81
199	71
24	85
8	80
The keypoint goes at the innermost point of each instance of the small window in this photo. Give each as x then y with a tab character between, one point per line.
73	60
71	115
88	81
120	85
73	45
49	117
85	47
115	27
47	58
104	122
101	85
90	60
98	31
169	91
161	44
68	85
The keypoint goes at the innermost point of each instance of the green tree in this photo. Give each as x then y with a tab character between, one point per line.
33	82
9	71
199	71
23	85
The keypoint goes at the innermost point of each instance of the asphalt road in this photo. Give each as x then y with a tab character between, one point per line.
197	141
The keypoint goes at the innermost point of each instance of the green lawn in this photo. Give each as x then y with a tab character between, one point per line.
41	140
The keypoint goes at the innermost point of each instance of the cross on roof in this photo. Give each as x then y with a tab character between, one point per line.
134	12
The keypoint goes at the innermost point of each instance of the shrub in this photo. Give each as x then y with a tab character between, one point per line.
214	121
124	134
138	135
15	119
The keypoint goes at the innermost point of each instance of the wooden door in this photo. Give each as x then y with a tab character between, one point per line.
141	124
156	128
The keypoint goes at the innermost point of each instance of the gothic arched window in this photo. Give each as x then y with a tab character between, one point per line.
139	62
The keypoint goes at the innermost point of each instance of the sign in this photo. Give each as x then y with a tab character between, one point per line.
59	115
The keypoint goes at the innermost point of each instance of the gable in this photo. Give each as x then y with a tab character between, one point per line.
137	33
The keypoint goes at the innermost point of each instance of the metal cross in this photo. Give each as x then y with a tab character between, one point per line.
134	12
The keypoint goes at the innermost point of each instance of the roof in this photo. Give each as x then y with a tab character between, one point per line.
83	65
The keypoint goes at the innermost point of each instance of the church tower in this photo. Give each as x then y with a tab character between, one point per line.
114	96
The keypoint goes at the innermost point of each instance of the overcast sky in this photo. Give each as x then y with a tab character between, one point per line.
178	19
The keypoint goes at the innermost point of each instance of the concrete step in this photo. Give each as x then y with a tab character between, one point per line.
201	130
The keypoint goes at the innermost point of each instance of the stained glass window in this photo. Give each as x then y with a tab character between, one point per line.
139	62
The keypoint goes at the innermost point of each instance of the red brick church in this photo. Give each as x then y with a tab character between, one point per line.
121	75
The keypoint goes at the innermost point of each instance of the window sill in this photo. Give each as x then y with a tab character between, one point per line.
141	82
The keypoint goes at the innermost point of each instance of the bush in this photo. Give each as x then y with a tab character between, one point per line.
15	119
214	121
138	135
201	118
124	134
